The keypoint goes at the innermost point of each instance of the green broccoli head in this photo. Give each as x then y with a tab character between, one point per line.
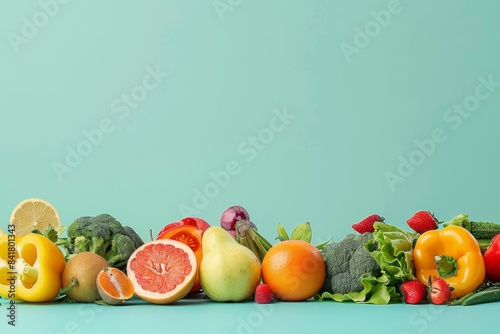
103	235
346	261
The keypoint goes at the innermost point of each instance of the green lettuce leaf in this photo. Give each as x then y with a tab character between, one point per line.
375	291
393	252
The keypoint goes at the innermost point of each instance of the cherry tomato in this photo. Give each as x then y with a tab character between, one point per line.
191	236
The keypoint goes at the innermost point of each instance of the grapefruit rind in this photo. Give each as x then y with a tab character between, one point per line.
173	295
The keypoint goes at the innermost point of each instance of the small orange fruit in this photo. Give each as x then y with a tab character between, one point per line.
114	286
295	270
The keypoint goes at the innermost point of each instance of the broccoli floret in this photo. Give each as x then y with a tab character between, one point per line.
121	249
129	231
103	235
99	245
76	227
98	234
96	229
346	261
113	225
81	244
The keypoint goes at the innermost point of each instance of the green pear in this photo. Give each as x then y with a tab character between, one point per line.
229	271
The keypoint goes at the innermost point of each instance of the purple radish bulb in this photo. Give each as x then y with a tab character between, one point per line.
231	215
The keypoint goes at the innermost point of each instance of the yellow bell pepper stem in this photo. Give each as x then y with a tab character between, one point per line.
446	265
453	254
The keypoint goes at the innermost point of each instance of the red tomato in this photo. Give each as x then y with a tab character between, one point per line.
191	236
194	221
201	223
169	227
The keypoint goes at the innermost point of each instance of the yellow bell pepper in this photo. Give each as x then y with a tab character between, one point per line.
453	254
31	268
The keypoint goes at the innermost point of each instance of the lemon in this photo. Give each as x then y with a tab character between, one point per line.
1	232
33	214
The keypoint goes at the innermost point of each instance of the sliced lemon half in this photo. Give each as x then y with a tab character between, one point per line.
33	214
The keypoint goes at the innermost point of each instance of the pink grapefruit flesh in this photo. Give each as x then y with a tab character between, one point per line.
162	271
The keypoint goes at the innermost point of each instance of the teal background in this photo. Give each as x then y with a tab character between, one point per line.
354	117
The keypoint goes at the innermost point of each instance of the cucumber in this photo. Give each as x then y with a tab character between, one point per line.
484	244
484	230
461	300
485	296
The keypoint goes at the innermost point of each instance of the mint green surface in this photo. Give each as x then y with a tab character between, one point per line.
320	111
201	316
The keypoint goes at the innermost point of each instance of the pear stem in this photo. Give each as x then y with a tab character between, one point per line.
74	282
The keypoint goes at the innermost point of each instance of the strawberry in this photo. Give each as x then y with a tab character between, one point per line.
422	221
440	291
263	294
413	291
366	225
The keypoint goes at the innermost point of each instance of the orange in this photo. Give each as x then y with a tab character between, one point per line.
295	270
162	271
114	286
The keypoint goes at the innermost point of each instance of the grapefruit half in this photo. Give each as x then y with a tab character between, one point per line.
162	271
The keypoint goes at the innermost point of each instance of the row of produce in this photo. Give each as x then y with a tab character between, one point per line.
97	259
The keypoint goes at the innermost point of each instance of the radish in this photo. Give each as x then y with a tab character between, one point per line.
233	214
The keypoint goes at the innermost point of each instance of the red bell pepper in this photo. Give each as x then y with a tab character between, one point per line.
492	260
